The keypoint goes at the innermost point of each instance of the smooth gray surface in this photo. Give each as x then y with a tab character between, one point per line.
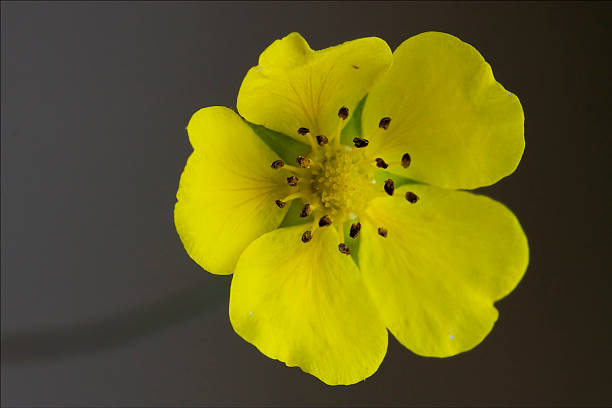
102	306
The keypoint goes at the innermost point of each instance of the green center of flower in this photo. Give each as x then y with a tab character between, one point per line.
337	182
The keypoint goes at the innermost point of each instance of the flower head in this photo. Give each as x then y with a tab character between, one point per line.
334	201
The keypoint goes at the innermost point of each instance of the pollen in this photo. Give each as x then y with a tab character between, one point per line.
343	248
355	228
389	187
277	164
306	236
306	211
292	180
411	197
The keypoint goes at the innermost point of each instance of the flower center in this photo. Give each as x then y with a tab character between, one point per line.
337	182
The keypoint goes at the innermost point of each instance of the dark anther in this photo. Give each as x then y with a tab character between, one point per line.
292	180
277	164
411	197
302	131
321	140
306	236
303	162
343	113
381	163
280	204
382	232
355	66
405	160
344	249
359	142
355	228
384	123
389	187
325	221
305	211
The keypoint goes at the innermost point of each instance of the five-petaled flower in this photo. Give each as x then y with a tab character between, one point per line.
335	201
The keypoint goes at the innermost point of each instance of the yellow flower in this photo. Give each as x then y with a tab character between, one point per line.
352	223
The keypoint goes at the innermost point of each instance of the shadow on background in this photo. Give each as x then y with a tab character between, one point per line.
113	331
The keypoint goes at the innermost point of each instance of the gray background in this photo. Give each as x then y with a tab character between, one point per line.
102	306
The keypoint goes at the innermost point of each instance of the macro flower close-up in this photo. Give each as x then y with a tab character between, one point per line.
336	195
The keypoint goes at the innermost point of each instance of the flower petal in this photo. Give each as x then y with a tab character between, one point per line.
461	127
306	305
294	86
444	262
227	190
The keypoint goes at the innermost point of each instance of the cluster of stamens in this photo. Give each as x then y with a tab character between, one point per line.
336	182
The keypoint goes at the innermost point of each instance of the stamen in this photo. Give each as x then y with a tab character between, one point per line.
381	163
342	114
411	197
306	236
292	180
306	132
280	204
382	232
343	248
389	187
277	164
304	162
355	228
306	211
359	142
325	221
292	196
322	140
384	123
405	160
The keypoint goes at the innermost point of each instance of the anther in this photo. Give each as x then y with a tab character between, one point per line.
277	164
405	160
303	162
389	187
382	232
411	197
292	180
384	123
280	203
306	236
303	131
305	211
359	142
343	113
344	249
355	228
325	221
381	163
322	140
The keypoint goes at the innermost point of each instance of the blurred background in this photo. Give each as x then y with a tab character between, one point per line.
101	306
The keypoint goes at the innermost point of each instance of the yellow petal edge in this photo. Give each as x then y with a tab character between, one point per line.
227	191
444	262
294	86
306	305
462	129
